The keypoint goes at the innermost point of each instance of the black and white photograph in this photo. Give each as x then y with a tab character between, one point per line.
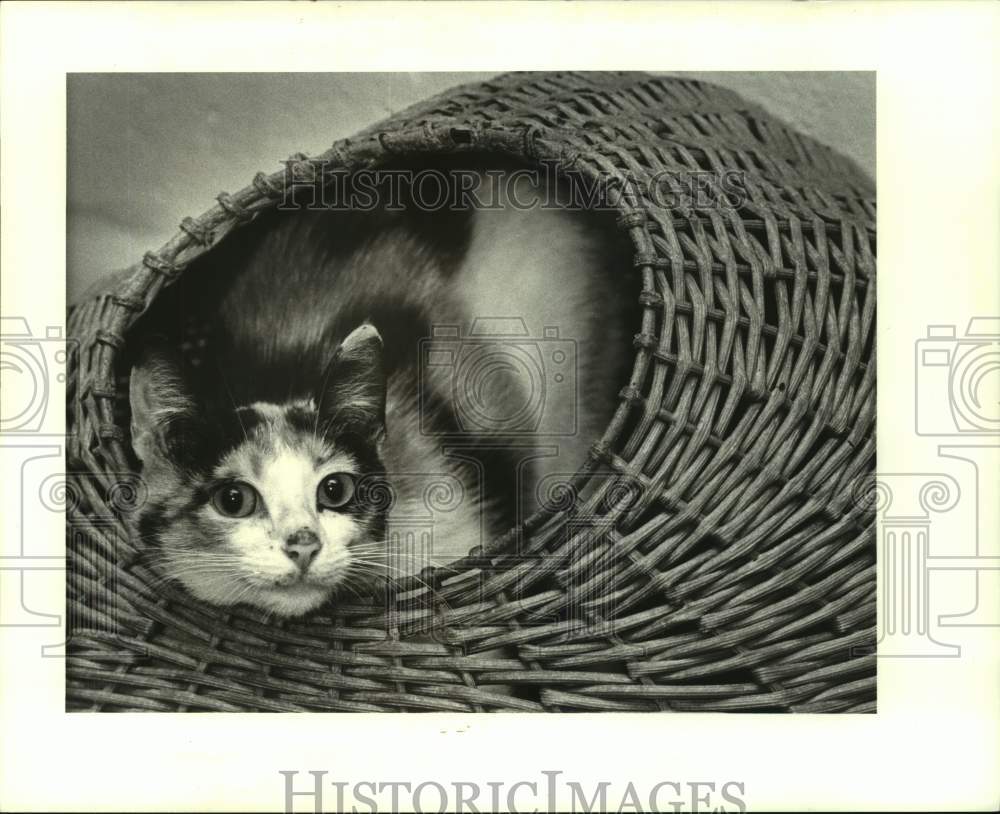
551	392
506	399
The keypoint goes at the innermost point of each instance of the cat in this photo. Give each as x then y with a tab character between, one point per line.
330	407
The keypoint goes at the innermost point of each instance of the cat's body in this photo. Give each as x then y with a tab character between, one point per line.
460	424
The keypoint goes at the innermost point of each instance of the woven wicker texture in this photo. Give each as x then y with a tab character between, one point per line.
715	553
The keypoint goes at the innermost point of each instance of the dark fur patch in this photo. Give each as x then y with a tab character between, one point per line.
197	443
152	521
250	419
300	419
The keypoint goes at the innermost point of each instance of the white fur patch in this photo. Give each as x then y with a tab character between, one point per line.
252	566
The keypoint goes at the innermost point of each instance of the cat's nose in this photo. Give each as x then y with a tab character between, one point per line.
302	547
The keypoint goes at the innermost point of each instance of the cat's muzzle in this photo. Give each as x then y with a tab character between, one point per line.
302	548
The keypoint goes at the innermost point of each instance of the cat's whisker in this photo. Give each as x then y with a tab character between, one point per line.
347	584
366	568
229	393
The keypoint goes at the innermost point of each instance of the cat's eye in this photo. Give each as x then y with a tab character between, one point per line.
335	491
235	499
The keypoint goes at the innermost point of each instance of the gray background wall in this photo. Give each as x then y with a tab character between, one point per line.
144	150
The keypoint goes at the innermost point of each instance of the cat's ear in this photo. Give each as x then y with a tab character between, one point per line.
352	394
161	403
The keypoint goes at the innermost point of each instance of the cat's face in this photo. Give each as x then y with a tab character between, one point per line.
265	504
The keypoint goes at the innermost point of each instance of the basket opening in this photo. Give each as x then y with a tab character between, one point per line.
184	312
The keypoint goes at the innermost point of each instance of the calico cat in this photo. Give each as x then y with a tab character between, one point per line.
330	406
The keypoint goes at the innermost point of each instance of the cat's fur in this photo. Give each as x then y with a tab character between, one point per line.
316	368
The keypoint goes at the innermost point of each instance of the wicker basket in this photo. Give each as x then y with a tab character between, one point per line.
745	434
